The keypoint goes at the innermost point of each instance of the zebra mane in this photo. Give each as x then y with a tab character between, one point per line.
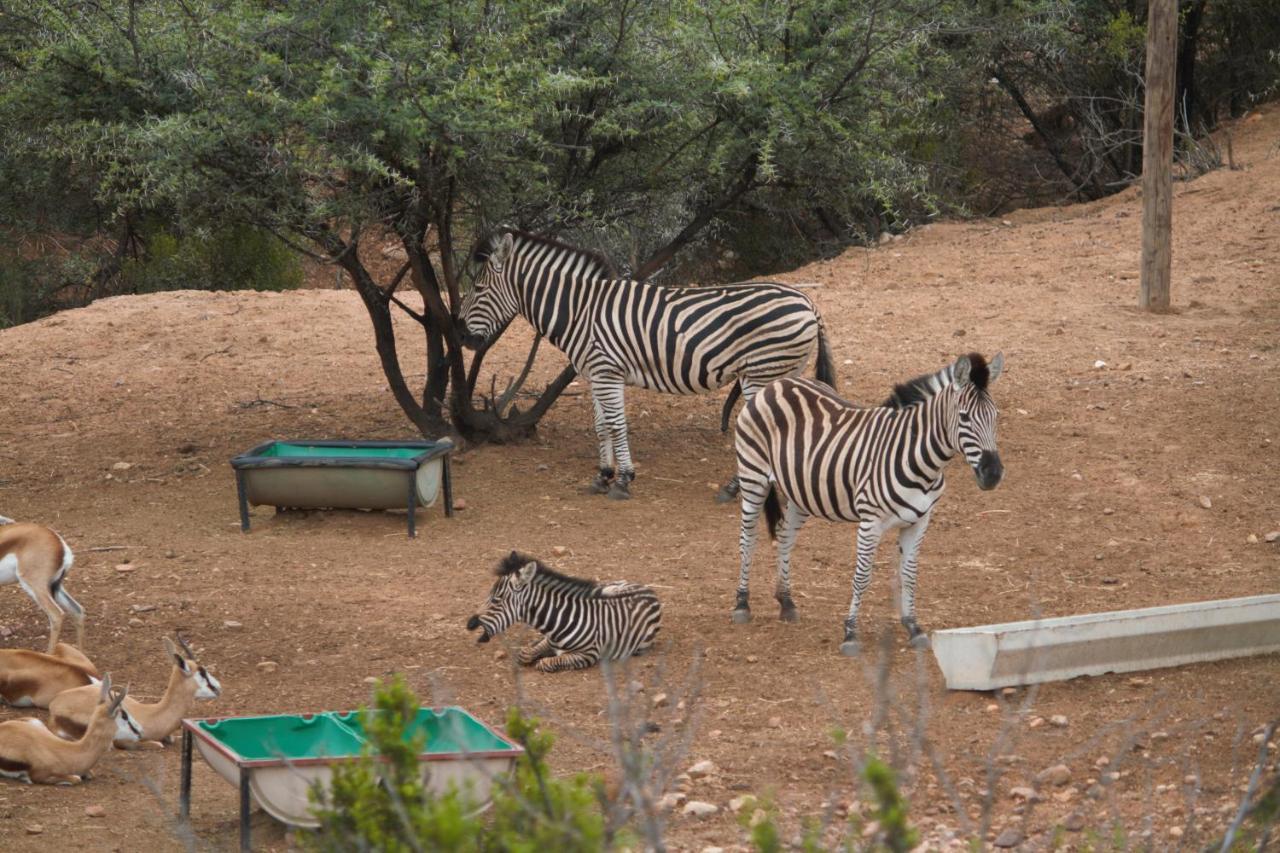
485	245
928	385
515	561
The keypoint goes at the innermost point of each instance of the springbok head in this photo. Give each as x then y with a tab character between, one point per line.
127	728
206	686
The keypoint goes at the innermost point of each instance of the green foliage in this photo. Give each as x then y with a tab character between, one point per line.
237	257
891	808
380	802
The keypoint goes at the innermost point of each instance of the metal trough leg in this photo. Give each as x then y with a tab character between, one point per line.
413	502
244	502
448	488
244	810
184	790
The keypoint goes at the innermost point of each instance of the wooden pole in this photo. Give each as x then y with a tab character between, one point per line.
1157	155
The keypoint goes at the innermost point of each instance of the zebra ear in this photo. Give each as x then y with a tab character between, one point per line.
524	575
502	248
960	372
995	367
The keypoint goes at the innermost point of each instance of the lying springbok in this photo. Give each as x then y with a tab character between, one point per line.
32	753
37	559
33	679
70	712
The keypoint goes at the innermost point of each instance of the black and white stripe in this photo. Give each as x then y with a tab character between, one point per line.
618	332
581	621
881	467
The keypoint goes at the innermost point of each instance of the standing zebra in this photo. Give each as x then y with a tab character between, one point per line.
880	467
618	332
581	620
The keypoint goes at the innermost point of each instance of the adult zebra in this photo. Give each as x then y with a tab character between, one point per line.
881	467
618	332
582	621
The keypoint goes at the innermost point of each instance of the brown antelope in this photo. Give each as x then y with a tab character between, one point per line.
37	559
32	753
70	712
33	679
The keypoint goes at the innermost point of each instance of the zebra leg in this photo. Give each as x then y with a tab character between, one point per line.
600	485
730	489
614	408
753	495
908	549
869	533
531	654
793	519
568	660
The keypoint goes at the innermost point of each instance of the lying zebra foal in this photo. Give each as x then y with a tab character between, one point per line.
581	621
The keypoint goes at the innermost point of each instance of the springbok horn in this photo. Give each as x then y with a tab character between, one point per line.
185	648
105	692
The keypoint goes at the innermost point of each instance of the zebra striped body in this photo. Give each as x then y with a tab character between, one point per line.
618	332
879	467
581	621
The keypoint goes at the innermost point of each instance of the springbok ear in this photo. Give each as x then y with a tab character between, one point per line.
105	692
525	574
170	648
502	248
995	367
960	372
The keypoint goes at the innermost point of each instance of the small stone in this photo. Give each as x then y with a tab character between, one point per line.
500	655
1009	691
1106	510
1058	774
959	333
1102	761
1159	736
34	829
559	551
831	753
1058	721
660	700
1036	722
1175	832
1077	476
752	659
232	625
635	687
1272	536
1252	539
1190	779
1205	502
701	769
459	503
992	708
268	666
95	811
142	608
1074	822
1024	793
1126	365
775	722
371	679
746	801
542	467
670	801
125	568
1011	837
135	622
699	809
122	466
1099	365
758	817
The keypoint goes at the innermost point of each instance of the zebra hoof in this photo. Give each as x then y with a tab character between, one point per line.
789	614
741	617
921	641
619	492
728	493
598	487
850	648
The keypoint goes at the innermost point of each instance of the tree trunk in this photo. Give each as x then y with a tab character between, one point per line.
1157	156
1187	100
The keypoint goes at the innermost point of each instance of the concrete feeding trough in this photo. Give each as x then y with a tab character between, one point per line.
277	760
344	475
990	656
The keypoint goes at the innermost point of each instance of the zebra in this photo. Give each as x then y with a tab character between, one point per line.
618	332
581	621
881	467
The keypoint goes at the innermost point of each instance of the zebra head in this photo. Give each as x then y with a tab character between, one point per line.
975	434
491	302
508	598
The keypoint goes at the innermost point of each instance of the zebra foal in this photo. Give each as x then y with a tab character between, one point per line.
881	467
581	621
617	332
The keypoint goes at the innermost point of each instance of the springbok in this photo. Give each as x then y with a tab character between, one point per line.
37	559
71	712
32	753
33	679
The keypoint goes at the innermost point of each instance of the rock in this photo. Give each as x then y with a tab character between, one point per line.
371	679
1099	365
1175	832
992	708
1006	223
752	659
500	654
775	722
135	622
959	333
831	753
122	466
459	503
1009	691
1126	365
660	700
1205	502
701	769
670	801
268	666
1011	837
142	608
1058	721
232	625
1106	510
1074	822
1252	539
95	811
34	829
542	466
746	801
1190	779
559	551
1036	722
125	568
1272	536
1024	793
1058	774
699	809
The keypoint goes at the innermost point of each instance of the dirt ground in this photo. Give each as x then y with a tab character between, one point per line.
1102	508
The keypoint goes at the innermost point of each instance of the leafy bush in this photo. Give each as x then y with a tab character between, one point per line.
232	258
380	802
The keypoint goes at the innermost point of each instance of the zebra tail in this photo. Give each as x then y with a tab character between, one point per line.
772	511
734	393
825	370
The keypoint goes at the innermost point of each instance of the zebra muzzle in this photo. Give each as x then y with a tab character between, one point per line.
474	623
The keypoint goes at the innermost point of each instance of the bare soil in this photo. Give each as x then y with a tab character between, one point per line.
1101	509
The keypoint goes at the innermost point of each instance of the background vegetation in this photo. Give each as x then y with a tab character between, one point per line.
146	146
